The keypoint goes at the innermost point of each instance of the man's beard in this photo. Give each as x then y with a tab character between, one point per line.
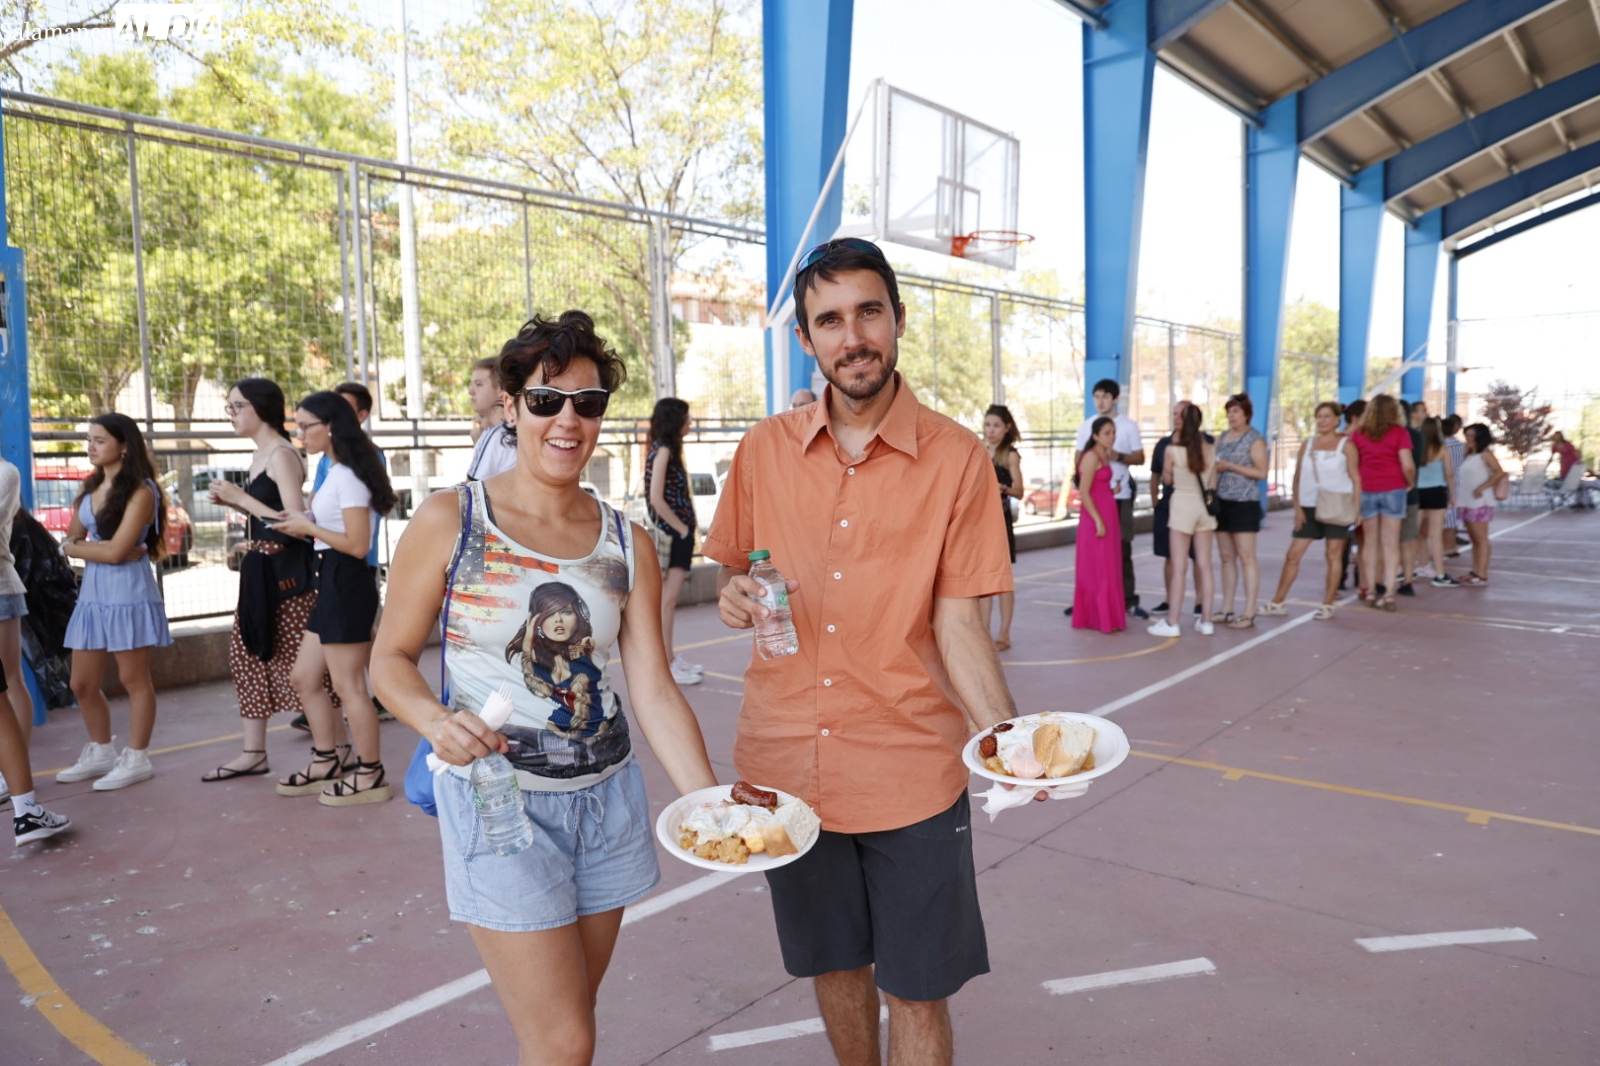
867	384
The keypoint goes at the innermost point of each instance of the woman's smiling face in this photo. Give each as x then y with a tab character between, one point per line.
559	625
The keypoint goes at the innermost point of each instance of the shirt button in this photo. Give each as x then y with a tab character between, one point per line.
837	575
830	629
844	521
827	682
850	470
824	732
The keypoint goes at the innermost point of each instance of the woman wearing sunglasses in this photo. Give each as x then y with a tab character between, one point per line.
536	580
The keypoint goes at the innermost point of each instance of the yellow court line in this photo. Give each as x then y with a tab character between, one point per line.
175	747
718	640
1497	572
87	1033
1475	815
1169	642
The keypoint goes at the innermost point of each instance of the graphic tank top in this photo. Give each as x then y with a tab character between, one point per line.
545	627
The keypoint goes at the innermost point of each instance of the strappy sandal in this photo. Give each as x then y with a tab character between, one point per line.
228	773
1388	604
1225	618
347	792
347	761
1244	621
1272	609
305	782
1323	613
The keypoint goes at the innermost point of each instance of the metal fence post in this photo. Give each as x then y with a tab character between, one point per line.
344	278
138	284
527	258
659	258
1230	366
353	179
994	348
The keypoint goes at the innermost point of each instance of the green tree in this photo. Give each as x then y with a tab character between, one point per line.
646	102
1308	370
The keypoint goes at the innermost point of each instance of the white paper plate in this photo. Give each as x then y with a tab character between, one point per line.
672	817
1110	749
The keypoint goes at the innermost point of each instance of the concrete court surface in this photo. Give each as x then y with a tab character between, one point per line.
1425	772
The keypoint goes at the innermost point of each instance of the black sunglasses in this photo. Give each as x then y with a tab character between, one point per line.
855	244
547	402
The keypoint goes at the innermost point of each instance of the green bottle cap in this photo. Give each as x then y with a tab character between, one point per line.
760	554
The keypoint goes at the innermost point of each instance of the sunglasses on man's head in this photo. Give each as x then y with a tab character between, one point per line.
855	244
546	402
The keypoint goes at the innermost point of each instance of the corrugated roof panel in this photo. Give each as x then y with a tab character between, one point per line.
1334	33
1359	142
1411	13
1563	41
1584	123
1233	42
1418	111
1534	147
1487	76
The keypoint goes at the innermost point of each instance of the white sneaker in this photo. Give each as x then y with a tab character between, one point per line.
132	767
5	790
1204	628
37	826
1163	628
93	760
685	677
685	666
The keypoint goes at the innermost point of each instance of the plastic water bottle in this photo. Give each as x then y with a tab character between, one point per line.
775	635
507	829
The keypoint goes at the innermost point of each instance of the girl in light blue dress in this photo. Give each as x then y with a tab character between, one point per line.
117	525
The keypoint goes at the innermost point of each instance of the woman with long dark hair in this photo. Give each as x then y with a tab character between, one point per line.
275	593
1097	595
568	578
1478	485
1388	470
117	524
1000	437
1189	467
338	640
671	509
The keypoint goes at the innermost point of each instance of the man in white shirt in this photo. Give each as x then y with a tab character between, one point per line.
1128	450
495	451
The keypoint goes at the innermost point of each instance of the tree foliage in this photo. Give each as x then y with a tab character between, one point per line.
647	102
1518	420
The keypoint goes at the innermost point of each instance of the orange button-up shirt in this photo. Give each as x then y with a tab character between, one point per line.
861	723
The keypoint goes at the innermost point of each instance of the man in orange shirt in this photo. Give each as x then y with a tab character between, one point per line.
881	514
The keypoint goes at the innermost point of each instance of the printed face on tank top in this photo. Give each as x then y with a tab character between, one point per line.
546	626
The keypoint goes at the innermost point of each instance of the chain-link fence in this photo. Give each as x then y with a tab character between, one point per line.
166	262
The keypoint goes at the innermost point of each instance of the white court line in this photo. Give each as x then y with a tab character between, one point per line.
1108	709
1439	940
767	1035
1138	976
462	986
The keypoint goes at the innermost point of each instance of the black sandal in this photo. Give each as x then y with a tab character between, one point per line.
348	761
347	792
228	773
304	782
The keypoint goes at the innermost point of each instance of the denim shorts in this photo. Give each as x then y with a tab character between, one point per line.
13	605
1388	504
593	851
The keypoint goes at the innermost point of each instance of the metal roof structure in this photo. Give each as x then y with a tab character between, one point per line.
1463	100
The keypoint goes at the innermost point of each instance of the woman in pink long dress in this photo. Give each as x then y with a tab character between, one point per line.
1097	601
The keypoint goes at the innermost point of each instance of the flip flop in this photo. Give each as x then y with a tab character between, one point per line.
1323	613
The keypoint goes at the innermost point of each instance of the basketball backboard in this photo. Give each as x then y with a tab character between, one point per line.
942	176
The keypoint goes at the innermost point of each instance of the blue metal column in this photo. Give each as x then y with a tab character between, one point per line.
1118	77
806	78
1455	337
16	406
1271	165
1422	268
1360	222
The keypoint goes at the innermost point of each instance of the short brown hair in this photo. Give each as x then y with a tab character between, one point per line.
548	348
491	363
1241	400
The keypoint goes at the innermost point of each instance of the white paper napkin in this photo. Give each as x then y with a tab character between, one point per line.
999	798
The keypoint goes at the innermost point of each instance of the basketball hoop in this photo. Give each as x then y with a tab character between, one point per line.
986	241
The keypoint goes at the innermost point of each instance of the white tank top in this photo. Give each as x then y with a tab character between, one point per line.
1473	473
1324	470
544	626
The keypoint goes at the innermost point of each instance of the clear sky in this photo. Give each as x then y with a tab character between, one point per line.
1016	65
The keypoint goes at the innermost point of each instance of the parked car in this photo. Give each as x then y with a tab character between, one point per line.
1043	498
54	489
707	492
